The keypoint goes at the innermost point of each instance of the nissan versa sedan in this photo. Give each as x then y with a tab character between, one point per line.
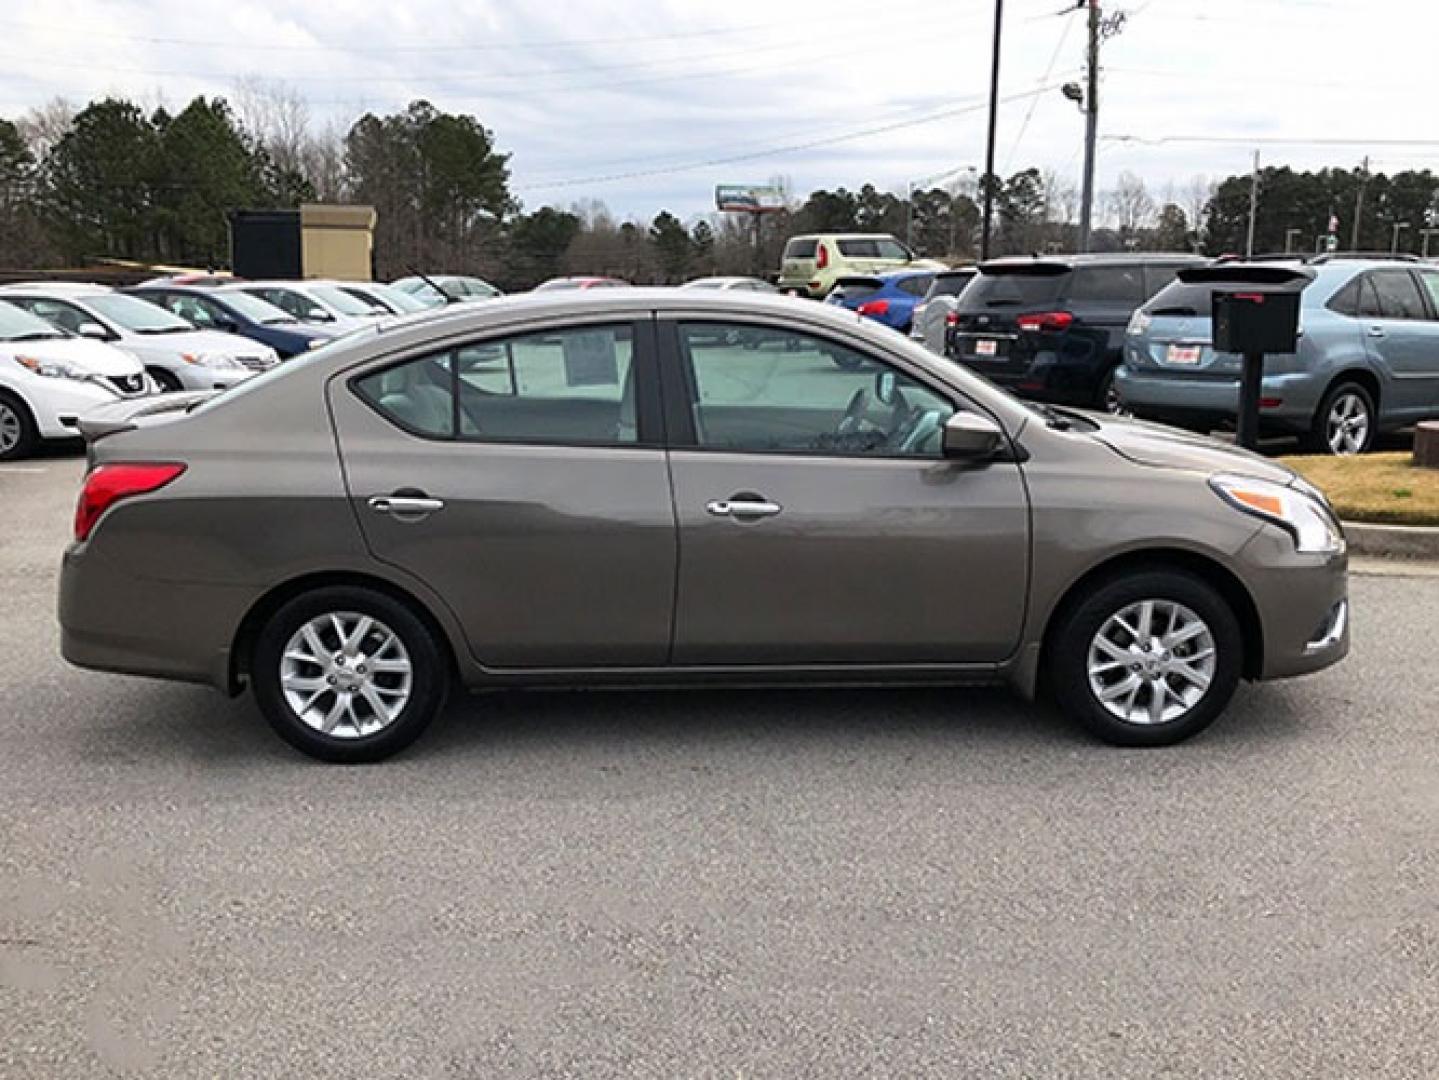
679	487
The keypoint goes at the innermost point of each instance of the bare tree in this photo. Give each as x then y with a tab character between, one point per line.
1130	205
277	116
43	126
1197	196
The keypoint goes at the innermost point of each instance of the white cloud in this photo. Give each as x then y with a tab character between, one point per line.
578	90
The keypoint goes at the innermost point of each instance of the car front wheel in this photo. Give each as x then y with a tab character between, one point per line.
348	674
1147	659
18	436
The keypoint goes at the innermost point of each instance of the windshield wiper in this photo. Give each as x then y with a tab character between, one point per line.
165	330
37	335
1181	311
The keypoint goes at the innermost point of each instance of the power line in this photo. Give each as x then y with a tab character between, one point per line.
1048	72
943	114
1265	140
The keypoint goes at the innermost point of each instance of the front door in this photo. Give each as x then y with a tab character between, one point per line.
1403	341
818	521
522	479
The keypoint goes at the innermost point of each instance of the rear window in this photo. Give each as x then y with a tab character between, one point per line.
991	290
1181	300
948	285
1108	285
856	286
873	247
800	249
915	286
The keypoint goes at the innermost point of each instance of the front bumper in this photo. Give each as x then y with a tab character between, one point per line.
1302	602
57	403
199	377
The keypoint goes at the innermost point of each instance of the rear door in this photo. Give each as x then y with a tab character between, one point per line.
1401	338
1426	370
522	477
819	523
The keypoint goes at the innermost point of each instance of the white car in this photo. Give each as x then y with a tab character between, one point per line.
750	284
177	355
316	302
49	378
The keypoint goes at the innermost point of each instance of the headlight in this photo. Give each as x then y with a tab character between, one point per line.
315	343
52	369
1305	516
209	360
1138	323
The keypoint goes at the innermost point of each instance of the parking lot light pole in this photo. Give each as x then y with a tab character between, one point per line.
985	229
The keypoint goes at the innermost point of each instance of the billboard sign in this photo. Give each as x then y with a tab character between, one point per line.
749	198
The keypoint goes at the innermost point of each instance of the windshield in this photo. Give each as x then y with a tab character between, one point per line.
17	324
342	301
399	301
1012	290
137	316
255	309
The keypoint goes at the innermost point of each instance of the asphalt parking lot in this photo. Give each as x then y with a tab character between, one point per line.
736	884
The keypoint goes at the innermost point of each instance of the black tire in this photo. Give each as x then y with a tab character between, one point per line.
1069	647
167	382
1107	399
17	421
430	678
1318	439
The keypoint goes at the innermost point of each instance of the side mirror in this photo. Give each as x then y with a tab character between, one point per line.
317	314
969	436
93	330
884	387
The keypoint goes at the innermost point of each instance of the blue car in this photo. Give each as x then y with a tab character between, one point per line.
231	309
1368	358
888	298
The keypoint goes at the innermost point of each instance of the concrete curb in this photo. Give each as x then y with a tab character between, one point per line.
1392	541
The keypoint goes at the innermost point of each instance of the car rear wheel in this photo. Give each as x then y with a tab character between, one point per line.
1147	659
18	436
1345	422
1109	399
167	382
348	674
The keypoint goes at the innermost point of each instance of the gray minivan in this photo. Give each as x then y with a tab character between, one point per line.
1368	358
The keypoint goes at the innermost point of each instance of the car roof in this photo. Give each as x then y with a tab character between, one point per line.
58	288
844	236
1061	263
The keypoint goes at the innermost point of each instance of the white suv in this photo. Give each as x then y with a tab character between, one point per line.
177	355
49	378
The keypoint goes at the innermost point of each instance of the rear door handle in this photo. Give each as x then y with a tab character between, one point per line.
406	505
743	508
1376	331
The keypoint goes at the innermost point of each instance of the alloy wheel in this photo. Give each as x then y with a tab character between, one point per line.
10	427
1346	428
346	675
1151	662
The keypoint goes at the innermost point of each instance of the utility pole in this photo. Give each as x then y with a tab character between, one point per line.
988	181
1253	207
1289	235
1359	205
1091	129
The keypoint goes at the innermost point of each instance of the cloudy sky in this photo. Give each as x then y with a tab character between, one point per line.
649	103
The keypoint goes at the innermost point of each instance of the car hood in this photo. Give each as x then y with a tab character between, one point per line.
93	356
1168	448
208	342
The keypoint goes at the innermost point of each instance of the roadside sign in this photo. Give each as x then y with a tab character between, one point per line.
748	198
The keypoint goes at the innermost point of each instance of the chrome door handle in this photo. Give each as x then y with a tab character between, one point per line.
1376	331
402	505
742	508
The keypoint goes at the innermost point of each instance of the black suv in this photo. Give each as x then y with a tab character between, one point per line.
1052	328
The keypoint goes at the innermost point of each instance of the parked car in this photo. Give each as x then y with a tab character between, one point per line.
176	354
384	299
750	284
1368	358
581	281
453	289
933	313
315	302
660	486
48	378
886	298
195	278
810	265
232	310
1052	329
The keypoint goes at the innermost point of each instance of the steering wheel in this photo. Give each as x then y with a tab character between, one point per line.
855	412
921	426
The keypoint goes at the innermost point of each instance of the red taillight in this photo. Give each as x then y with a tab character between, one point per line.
821	257
951	318
874	308
1050	322
108	484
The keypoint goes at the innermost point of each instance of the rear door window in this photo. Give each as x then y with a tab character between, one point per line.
1398	294
873	247
1119	285
1430	278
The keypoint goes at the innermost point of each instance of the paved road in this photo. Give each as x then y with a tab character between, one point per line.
719	885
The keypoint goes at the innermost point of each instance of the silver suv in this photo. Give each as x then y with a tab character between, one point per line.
1368	358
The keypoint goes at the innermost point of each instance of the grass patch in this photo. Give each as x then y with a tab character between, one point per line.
1383	488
